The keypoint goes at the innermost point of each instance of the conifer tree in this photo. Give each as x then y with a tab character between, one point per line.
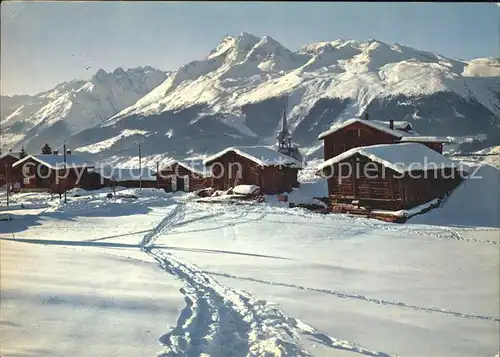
46	149
22	153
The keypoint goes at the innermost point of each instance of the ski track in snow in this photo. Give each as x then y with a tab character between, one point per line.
171	219
219	321
361	297
457	236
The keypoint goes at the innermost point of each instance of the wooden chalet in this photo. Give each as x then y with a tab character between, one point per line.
399	176
184	175
6	162
272	171
49	172
355	133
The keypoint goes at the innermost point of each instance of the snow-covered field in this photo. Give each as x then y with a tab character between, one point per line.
164	275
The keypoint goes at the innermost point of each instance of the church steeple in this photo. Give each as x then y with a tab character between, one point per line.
284	137
285	145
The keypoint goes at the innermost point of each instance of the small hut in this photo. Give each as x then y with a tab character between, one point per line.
6	162
50	172
184	175
272	171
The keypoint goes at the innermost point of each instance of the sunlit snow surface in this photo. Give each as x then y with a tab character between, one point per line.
163	274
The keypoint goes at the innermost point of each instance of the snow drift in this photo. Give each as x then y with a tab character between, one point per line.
474	203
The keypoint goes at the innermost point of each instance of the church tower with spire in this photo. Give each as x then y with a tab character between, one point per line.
285	143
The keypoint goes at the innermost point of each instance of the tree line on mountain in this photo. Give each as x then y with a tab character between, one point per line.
45	150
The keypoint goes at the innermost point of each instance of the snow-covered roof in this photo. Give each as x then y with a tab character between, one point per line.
261	155
398	157
13	154
245	189
194	165
57	161
379	125
125	173
425	139
397	124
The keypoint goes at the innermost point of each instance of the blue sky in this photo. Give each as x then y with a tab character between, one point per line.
46	43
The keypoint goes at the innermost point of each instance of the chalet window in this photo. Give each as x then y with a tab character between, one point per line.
362	133
44	171
338	148
26	170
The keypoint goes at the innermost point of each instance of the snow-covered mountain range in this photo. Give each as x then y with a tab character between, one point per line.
236	94
72	107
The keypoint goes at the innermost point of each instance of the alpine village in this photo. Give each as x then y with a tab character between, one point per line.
411	171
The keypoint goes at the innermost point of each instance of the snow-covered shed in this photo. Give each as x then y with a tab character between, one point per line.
184	175
57	161
6	162
53	172
272	171
390	176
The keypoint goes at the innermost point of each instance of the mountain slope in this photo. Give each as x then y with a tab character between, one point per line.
245	81
74	106
340	69
236	94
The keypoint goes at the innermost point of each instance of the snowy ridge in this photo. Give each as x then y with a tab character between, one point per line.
106	144
263	67
80	105
241	86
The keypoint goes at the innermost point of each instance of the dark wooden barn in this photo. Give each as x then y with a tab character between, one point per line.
389	177
124	177
355	133
184	175
6	162
271	170
93	180
49	172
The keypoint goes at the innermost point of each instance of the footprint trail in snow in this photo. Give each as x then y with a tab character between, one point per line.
222	322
